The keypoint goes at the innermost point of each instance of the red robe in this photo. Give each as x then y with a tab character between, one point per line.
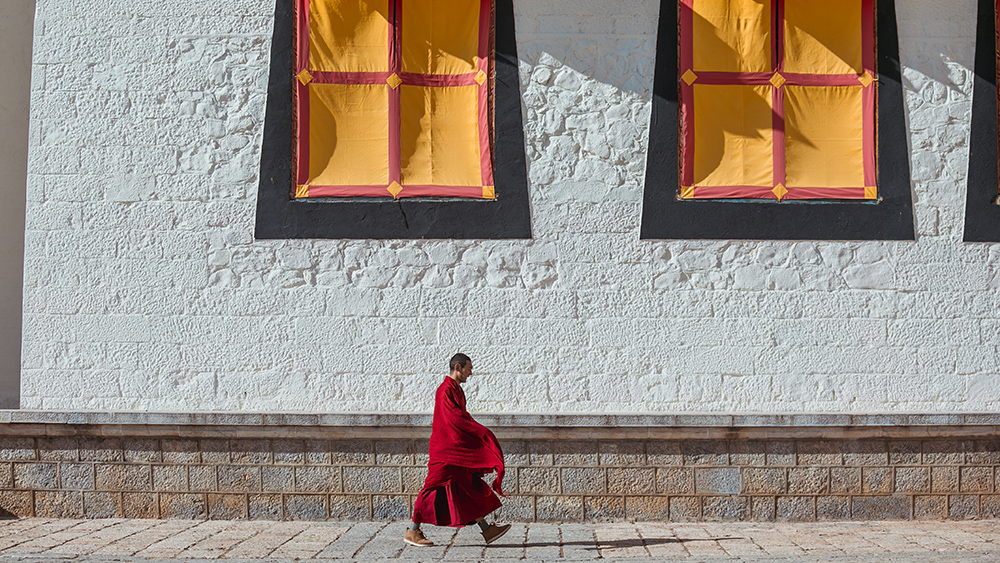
461	451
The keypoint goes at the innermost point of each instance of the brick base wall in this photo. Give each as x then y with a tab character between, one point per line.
315	478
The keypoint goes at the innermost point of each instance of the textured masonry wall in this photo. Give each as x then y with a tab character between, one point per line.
547	480
144	288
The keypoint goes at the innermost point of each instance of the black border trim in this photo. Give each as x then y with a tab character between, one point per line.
507	217
664	217
982	215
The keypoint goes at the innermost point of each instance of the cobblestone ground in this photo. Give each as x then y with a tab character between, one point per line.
38	540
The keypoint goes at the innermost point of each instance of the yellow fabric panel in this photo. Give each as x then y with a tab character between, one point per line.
348	134
440	36
732	35
349	35
824	143
733	144
439	136
823	36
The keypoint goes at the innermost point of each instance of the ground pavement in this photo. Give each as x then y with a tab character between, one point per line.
39	540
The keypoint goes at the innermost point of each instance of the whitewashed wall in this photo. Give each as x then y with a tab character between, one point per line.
145	288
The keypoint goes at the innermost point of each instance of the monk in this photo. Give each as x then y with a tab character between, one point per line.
461	452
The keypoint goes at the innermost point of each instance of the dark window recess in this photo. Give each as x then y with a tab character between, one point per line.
664	216
281	217
982	214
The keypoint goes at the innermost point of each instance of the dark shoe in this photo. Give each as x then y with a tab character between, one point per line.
416	538
494	532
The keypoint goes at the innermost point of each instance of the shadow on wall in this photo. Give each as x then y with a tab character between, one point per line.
16	34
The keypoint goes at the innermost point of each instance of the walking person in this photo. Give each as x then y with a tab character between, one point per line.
461	452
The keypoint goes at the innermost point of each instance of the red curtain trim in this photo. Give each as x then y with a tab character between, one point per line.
407	191
765	192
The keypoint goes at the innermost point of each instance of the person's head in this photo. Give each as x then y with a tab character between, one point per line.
461	367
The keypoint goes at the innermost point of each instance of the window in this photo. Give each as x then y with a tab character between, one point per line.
384	120
778	102
982	214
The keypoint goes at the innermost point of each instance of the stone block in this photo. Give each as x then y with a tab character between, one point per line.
706	452
414	477
685	509
989	507
101	449
279	478
781	453
819	452
180	451
6	475
140	505
675	480
515	453
833	508
36	476
264	507
214	451
203	478
540	480
930	507
808	480
16	504
628	480
904	452
723	481
352	452
317	479
372	480
982	452
663	452
102	505
976	480
250	452
187	506
762	509
59	504
171	478
912	480
725	509
943	452
395	452
306	507
516	509
963	507
647	508
845	480
352	508
227	507
141	450
622	453
17	449
122	477
603	508
767	481
239	478
796	509
747	453
577	480
866	453
540	453
574	453
390	507
59	449
318	452
944	479
876	480
420	452
559	509
895	507
291	452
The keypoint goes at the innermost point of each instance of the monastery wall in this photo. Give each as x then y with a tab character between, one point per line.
145	289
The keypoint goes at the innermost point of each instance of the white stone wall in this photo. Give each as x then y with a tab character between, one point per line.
146	290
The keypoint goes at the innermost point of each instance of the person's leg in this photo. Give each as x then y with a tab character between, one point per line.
491	532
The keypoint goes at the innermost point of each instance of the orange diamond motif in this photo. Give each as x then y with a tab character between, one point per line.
302	191
687	192
394	188
480	77
689	77
393	81
777	80
304	77
871	192
866	79
779	191
489	192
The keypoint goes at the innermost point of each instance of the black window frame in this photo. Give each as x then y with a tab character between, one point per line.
982	213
